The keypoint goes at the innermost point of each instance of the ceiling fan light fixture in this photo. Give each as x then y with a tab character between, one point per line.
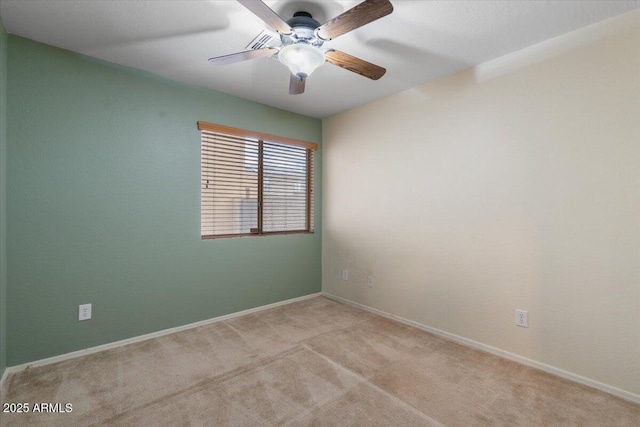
301	59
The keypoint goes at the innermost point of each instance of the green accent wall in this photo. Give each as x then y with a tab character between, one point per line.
3	198
103	199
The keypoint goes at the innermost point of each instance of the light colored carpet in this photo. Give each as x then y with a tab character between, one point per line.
313	362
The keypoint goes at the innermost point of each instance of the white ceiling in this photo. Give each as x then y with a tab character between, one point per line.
420	41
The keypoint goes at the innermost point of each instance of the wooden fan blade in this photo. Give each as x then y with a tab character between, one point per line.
362	14
356	65
296	85
267	14
243	56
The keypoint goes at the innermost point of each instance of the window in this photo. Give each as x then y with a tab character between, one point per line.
254	184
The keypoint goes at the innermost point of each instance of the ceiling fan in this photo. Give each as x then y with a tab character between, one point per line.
301	37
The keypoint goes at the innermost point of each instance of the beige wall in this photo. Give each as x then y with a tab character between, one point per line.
514	184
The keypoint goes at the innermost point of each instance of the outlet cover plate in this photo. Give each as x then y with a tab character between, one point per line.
370	280
345	275
522	318
84	312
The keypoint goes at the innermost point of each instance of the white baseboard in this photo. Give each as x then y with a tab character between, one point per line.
498	352
103	347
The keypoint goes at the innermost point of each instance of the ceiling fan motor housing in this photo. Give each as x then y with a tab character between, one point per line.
303	19
304	30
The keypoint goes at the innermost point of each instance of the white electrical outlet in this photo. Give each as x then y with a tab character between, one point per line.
370	280
84	312
522	318
345	275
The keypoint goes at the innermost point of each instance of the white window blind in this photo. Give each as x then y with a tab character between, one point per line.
254	186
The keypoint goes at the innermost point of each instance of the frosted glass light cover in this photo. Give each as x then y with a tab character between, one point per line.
301	59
